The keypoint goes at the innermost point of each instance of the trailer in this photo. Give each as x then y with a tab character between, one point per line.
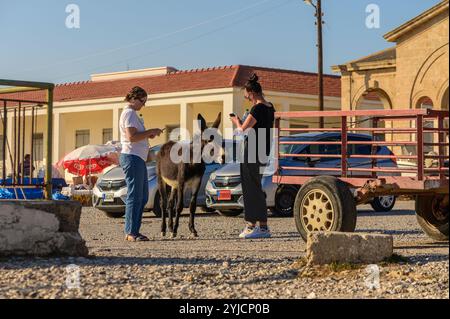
328	202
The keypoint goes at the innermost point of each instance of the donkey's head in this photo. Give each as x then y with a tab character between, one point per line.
204	127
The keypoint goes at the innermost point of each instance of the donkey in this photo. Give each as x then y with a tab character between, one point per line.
176	177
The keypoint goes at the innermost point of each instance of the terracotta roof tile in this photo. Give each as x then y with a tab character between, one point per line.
189	80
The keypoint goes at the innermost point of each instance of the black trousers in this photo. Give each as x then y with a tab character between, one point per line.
254	198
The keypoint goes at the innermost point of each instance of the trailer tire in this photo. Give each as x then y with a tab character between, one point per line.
324	203
432	218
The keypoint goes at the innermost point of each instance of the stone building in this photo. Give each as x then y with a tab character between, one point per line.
414	73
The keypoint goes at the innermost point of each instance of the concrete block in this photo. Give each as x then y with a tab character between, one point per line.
328	247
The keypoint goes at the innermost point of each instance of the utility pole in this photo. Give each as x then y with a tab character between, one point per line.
319	23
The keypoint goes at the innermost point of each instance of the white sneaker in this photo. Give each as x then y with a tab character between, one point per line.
255	233
247	231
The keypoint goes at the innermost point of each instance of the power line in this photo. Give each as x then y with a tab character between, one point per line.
245	19
159	37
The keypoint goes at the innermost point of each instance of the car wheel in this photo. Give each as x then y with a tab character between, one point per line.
324	203
284	201
207	210
114	214
383	203
231	213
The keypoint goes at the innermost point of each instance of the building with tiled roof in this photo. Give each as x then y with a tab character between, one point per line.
88	112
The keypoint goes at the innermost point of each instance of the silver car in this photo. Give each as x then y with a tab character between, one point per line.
224	190
110	192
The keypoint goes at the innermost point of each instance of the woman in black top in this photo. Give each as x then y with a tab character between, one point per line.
257	127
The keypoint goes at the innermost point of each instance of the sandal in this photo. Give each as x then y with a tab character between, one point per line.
139	237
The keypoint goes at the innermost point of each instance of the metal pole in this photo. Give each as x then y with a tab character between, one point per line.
32	145
441	141
374	147
320	61
5	125
23	147
420	155
48	149
344	152
15	147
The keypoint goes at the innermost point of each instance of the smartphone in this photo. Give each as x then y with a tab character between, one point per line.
232	115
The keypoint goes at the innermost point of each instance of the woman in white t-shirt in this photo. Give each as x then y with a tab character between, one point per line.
134	138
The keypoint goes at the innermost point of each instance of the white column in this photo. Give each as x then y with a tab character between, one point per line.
285	107
231	104
56	137
115	124
186	112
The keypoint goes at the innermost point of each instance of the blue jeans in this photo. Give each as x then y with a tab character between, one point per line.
136	178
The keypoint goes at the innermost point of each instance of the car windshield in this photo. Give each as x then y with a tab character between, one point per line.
293	149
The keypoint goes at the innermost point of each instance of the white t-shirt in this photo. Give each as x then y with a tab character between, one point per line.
129	118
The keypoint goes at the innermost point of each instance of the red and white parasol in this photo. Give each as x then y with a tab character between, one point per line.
90	159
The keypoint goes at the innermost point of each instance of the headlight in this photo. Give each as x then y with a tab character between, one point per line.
212	176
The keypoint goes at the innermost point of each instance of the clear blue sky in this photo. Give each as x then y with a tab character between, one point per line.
116	34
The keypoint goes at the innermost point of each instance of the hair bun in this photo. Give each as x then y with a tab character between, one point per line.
254	78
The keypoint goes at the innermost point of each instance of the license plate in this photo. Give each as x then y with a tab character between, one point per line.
108	198
224	195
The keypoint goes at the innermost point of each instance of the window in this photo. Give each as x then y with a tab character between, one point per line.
38	147
82	138
325	149
107	135
360	149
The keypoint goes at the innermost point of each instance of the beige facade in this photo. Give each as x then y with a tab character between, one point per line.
412	74
414	69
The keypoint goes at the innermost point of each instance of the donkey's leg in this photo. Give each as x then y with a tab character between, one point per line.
180	203
179	209
163	204
193	205
171	206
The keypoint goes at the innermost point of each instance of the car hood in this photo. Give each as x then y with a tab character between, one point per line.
117	173
234	169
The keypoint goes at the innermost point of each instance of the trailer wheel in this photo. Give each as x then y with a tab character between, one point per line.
432	216
324	203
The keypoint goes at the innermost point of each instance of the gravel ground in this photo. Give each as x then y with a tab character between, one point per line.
219	265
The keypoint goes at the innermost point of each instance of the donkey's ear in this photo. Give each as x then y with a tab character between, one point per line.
217	121
202	122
